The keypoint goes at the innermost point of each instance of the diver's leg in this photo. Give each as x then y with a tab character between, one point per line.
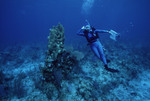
98	51
101	53
95	50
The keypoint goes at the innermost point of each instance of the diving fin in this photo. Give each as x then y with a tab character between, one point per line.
111	70
113	34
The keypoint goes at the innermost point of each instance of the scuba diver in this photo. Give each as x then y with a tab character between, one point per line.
91	34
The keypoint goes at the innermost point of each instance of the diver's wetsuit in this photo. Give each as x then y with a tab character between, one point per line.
96	46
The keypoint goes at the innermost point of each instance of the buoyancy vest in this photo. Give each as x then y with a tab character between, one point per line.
91	36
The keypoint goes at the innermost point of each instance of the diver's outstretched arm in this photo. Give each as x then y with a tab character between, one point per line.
113	34
101	31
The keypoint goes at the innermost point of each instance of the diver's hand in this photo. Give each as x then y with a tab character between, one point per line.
83	27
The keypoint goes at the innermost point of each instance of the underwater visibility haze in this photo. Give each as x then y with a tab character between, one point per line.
23	20
43	57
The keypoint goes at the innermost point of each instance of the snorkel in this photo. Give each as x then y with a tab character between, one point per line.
87	22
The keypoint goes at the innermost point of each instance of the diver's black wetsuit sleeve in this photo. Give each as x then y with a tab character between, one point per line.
80	32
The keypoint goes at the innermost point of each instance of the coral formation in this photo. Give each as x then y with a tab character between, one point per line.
59	62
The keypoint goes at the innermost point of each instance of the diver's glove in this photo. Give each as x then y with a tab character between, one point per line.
111	70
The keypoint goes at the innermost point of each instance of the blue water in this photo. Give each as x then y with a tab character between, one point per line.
24	28
30	20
